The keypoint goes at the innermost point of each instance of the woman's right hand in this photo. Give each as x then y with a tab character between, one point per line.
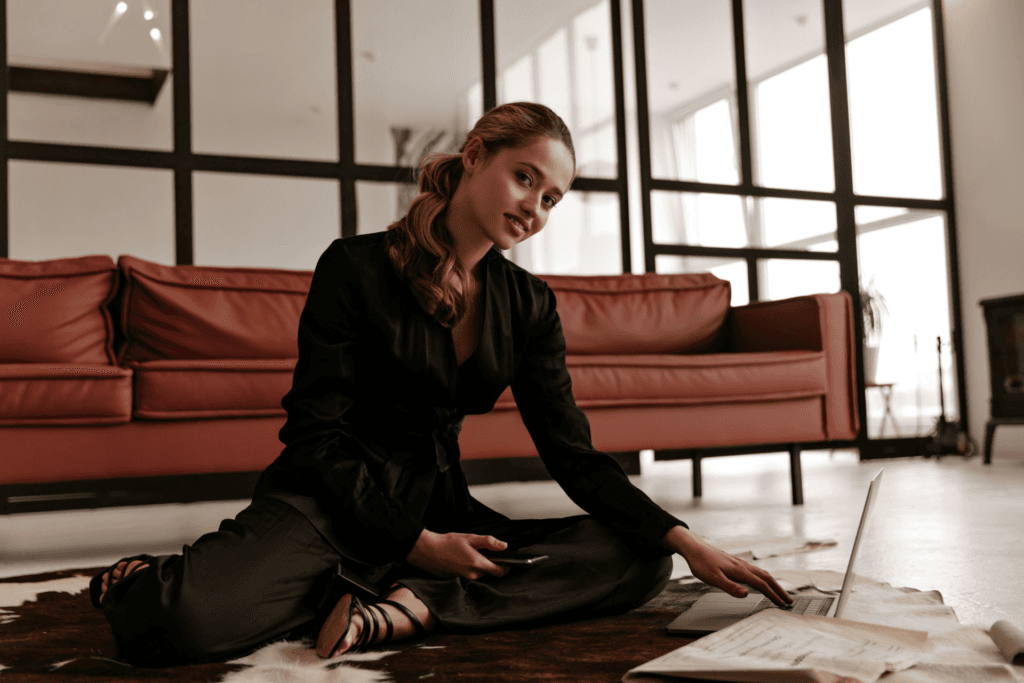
452	554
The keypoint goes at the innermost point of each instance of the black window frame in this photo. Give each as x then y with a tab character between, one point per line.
184	162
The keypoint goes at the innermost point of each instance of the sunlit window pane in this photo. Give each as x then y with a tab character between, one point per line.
891	80
592	45
560	55
264	80
378	205
704	145
785	278
722	220
916	314
798	224
64	210
474	104
790	113
238	219
733	270
583	236
708	220
554	84
691	80
517	81
794	129
596	152
414	66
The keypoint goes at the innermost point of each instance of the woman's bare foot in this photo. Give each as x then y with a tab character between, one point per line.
339	621
120	571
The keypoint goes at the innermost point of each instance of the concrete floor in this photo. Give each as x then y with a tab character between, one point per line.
952	525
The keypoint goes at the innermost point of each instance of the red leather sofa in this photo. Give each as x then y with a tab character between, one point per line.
121	381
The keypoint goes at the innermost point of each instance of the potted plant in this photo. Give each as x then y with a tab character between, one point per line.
872	308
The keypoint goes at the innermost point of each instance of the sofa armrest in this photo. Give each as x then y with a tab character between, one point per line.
818	322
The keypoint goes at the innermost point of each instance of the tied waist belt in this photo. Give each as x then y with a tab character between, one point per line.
445	438
446	443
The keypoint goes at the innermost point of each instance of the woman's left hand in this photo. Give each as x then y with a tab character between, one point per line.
718	568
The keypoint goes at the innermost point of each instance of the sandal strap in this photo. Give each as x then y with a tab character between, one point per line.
390	625
95	585
420	630
352	607
370	626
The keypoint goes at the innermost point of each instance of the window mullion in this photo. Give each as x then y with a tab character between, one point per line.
742	106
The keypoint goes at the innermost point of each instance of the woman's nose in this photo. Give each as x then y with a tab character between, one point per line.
531	205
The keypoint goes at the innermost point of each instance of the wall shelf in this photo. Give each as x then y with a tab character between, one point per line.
109	81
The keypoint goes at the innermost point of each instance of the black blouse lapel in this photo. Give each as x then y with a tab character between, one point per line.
426	346
494	354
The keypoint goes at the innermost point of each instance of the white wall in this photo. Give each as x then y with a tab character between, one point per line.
984	55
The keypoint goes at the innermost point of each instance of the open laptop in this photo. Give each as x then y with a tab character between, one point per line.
715	611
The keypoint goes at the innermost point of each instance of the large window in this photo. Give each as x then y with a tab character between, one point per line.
790	148
752	170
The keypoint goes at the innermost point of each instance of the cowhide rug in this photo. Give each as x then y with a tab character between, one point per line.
50	631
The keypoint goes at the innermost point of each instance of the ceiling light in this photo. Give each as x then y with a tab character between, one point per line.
148	14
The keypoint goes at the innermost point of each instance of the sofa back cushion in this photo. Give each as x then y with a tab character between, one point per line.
193	312
56	311
649	313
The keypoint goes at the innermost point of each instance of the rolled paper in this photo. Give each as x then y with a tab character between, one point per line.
1009	639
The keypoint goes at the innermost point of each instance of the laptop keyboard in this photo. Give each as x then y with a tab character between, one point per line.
802	604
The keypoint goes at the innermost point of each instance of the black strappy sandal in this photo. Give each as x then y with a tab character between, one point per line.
96	584
371	627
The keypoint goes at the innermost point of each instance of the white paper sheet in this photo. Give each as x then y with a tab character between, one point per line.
759	547
793	648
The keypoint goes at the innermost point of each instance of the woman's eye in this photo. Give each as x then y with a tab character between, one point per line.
527	180
551	201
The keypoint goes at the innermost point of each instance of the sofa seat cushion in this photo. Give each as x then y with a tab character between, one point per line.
664	379
206	312
57	311
64	394
195	389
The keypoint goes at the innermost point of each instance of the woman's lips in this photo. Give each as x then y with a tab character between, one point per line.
516	224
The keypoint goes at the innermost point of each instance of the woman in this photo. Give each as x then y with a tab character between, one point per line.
404	333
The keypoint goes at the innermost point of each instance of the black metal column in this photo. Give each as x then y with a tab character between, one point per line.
346	118
620	133
181	70
4	205
846	223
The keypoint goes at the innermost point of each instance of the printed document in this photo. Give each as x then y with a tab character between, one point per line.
778	646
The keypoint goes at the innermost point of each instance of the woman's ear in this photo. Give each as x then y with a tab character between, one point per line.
473	154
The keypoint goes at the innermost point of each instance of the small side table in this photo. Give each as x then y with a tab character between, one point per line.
885	389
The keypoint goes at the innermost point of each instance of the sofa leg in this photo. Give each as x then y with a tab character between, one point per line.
696	477
990	432
795	475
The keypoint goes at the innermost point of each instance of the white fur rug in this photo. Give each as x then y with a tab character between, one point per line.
287	661
279	662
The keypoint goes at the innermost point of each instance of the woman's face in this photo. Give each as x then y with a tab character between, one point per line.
512	191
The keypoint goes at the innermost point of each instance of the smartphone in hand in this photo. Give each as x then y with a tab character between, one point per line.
512	557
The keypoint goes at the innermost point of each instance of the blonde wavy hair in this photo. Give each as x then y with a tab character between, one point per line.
419	244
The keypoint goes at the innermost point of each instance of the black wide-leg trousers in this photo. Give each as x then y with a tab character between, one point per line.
263	576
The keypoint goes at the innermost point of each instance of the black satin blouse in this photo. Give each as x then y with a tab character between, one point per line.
378	399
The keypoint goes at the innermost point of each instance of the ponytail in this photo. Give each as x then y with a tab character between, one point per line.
420	246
